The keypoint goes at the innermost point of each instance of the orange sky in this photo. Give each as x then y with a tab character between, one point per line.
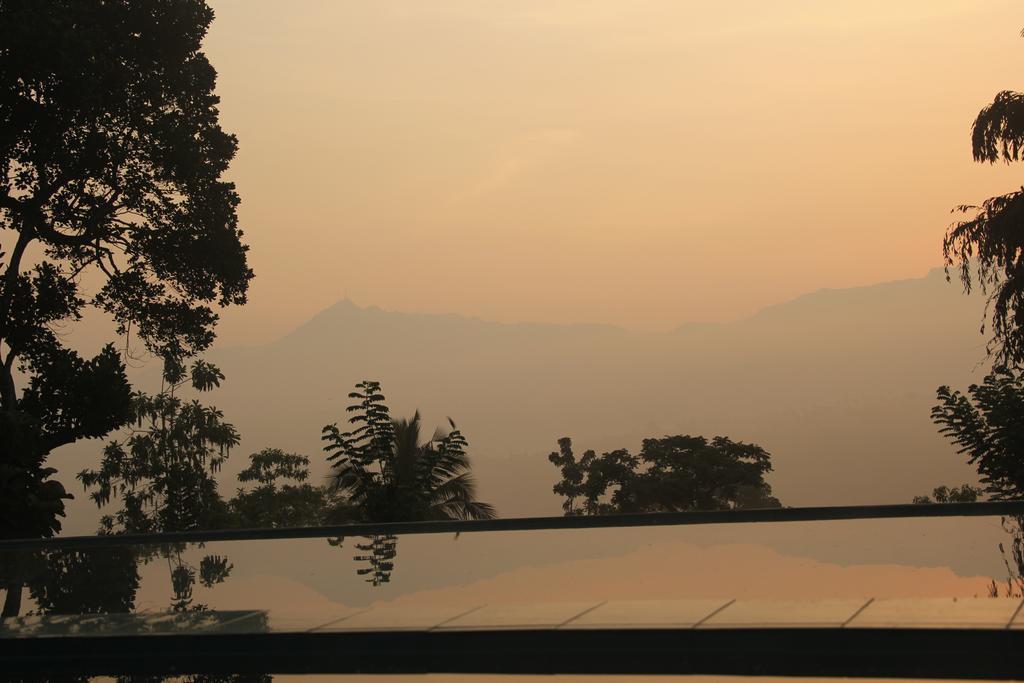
642	163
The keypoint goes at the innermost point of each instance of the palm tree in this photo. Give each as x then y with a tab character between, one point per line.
386	474
383	472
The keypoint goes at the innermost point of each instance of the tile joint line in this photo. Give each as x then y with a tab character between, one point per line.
1015	613
857	613
235	620
332	622
457	616
586	611
713	613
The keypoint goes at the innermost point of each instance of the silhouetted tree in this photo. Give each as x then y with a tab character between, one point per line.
987	247
112	158
672	474
164	471
85	581
274	504
987	425
383	472
380	561
947	494
386	474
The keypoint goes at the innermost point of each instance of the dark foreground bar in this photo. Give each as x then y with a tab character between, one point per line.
885	653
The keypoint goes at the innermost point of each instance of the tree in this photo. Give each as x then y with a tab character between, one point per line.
987	425
164	471
112	155
386	474
383	472
987	246
671	474
947	494
85	581
272	505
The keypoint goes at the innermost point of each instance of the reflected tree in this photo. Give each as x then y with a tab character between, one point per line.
380	561
385	472
85	581
163	472
670	474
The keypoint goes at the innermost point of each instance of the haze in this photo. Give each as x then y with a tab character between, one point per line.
635	163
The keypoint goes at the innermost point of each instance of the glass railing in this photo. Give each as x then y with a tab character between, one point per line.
954	576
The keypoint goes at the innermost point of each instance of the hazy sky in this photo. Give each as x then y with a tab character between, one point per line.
637	162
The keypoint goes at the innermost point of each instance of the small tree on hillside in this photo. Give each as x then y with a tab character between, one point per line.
672	474
965	493
282	497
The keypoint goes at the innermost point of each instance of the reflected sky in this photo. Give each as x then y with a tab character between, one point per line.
304	578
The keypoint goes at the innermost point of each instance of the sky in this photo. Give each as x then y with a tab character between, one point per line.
641	163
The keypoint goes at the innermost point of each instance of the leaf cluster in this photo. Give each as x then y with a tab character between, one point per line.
987	425
986	247
385	473
112	155
163	472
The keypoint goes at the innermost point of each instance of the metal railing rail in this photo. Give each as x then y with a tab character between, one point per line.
774	515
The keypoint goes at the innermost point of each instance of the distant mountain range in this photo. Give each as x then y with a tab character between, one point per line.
836	384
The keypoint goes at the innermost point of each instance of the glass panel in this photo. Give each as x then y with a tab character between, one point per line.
430	579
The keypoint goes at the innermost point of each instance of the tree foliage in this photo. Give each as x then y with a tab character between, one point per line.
274	502
965	493
987	425
112	157
986	247
85	581
386	473
671	474
164	471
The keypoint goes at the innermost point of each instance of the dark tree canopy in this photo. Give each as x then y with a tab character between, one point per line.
671	474
85	581
387	474
282	497
987	425
111	198
965	493
164	471
987	246
384	472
